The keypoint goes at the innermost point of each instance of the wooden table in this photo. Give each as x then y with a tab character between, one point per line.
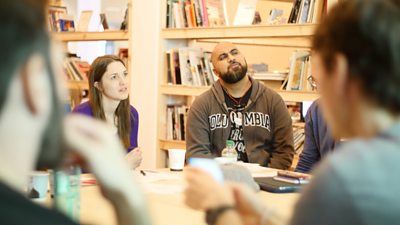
166	209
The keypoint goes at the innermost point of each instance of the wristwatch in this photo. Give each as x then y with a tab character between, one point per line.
213	214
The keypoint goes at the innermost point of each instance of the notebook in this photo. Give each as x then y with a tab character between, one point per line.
275	186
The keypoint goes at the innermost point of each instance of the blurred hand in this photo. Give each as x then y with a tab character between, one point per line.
249	207
95	143
203	192
134	158
100	149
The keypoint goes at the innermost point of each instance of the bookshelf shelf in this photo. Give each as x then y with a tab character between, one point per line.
273	31
289	1
180	90
92	36
166	144
78	85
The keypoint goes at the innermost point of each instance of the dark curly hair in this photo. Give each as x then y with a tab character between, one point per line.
367	33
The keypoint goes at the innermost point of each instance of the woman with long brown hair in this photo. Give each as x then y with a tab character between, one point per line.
109	101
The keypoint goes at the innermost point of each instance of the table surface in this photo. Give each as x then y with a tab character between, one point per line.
166	207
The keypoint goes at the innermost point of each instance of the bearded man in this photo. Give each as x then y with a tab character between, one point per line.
241	109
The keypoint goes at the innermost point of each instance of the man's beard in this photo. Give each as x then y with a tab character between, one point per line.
232	77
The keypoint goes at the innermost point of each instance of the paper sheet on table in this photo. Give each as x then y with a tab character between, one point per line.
153	176
162	188
161	182
258	171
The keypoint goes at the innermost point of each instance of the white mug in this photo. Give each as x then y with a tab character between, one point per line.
176	159
38	185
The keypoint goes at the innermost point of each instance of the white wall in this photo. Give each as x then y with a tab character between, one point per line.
145	25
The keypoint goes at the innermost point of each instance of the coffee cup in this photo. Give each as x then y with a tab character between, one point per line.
176	159
38	185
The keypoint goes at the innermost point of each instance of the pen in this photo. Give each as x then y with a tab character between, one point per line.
142	172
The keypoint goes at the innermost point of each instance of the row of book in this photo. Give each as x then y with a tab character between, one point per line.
306	11
176	122
76	69
299	73
189	66
210	13
196	13
298	138
59	20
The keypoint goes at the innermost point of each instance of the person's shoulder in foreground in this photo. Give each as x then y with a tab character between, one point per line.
83	108
359	182
15	209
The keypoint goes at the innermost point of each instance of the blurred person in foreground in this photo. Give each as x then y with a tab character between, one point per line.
32	131
356	59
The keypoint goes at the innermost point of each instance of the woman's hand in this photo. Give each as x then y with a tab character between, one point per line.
134	158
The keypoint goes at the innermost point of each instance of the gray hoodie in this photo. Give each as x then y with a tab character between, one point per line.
267	126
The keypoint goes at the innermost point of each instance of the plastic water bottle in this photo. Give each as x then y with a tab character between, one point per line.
229	152
67	191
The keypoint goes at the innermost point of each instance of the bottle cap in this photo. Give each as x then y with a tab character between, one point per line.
230	143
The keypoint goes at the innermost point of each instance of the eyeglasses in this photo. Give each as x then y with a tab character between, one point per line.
312	81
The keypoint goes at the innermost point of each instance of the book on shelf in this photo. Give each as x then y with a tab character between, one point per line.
176	122
298	138
217	13
125	22
299	70
53	14
66	23
245	13
103	21
84	20
274	75
306	11
275	17
196	13
189	66
76	69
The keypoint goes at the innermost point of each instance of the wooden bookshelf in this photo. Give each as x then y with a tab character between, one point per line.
180	90
167	144
92	36
78	85
256	31
288	1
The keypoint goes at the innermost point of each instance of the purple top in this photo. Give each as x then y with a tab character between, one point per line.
85	109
